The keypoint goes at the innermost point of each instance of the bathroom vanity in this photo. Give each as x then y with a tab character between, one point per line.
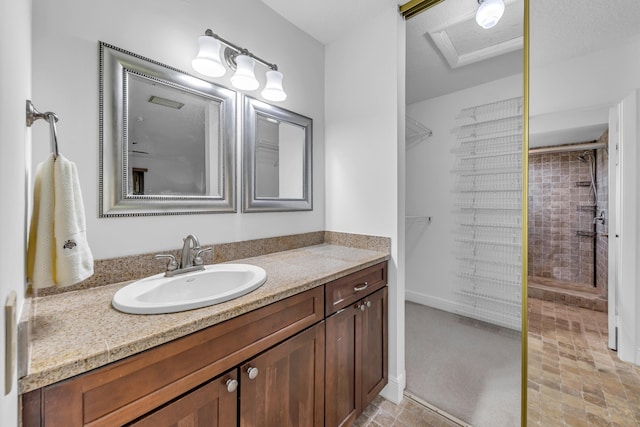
316	355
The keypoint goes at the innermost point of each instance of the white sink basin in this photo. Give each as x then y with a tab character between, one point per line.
215	284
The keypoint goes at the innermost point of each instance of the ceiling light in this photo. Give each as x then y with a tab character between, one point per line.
244	78
489	13
242	61
165	102
208	60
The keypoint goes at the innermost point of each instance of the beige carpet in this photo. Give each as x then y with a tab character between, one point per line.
467	368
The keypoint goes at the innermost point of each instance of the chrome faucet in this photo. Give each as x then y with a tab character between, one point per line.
187	263
190	242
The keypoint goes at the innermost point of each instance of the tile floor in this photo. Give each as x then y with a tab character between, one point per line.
574	379
382	413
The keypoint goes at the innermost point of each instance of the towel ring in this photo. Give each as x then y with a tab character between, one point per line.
33	114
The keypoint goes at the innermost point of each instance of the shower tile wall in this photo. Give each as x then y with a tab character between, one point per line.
560	205
602	242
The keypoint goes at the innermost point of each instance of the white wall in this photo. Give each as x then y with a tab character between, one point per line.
626	227
599	79
364	137
430	261
15	89
65	80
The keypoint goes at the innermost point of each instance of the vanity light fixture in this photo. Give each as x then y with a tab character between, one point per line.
208	63
489	13
245	78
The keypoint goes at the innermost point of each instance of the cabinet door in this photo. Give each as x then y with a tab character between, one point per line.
374	345
214	404
284	386
342	386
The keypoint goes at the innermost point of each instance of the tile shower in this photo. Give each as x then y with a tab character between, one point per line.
567	244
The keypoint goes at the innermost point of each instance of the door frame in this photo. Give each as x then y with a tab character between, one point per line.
623	296
613	149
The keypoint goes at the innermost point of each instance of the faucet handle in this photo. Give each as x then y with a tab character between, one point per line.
197	259
172	264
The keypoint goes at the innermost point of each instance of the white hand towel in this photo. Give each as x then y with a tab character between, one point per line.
58	253
74	261
41	249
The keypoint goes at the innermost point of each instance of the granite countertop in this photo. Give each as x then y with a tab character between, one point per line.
74	332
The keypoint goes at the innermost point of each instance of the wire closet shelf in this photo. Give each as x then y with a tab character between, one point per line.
488	196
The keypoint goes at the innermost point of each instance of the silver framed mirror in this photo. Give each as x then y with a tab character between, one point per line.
276	159
167	139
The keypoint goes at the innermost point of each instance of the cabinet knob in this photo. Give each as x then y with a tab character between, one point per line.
368	304
252	371
232	385
362	307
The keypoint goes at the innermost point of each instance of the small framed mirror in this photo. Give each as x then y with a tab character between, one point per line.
276	160
167	139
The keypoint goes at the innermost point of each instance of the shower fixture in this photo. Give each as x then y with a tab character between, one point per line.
588	157
600	218
583	156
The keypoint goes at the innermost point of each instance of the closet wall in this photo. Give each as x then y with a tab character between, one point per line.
431	261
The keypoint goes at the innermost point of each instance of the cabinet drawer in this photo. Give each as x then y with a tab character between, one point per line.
349	289
125	390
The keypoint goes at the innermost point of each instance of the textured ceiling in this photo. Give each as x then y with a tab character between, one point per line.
429	74
560	29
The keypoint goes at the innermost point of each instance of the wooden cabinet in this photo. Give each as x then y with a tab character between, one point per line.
306	371
343	397
374	370
356	349
211	405
123	391
347	290
284	386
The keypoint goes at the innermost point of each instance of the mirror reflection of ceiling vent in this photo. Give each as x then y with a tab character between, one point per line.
464	42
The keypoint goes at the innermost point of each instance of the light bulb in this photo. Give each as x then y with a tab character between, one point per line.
208	60
244	78
489	13
273	88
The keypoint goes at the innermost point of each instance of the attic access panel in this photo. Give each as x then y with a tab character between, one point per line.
462	41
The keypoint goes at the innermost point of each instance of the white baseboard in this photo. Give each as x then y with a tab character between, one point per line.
457	308
394	390
439	303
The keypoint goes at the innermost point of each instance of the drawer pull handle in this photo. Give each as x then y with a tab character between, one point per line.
232	385
252	372
361	287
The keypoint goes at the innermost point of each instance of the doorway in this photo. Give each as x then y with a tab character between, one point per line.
568	223
464	223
